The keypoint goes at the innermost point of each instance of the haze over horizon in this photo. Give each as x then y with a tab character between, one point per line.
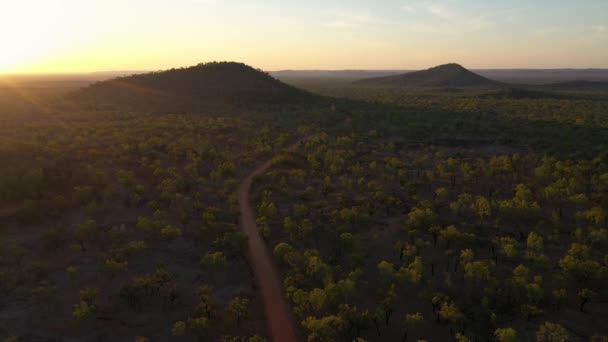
69	36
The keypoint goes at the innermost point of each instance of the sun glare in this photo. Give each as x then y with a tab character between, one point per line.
29	31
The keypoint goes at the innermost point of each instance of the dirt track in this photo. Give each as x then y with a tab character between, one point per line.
280	322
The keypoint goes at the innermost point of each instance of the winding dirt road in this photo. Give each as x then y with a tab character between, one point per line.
278	315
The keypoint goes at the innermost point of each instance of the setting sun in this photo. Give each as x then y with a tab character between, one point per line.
82	36
30	31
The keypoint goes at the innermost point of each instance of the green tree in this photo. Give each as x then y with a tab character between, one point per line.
466	256
282	250
386	270
449	312
534	245
179	328
506	335
463	205
207	306
481	206
520	275
461	338
595	215
449	234
421	216
170	232
238	310
88	295
578	262
412	273
200	327
291	228
411	321
325	329
585	295
84	310
114	267
357	319
534	242
268	209
508	246
441	194
214	260
478	270
552	332
388	303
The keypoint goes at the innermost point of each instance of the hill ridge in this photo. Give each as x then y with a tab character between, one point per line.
445	75
204	85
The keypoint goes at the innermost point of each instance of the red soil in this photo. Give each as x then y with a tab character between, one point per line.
280	321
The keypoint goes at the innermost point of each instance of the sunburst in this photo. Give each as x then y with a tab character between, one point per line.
29	31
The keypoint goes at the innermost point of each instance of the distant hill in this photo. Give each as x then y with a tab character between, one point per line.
510	76
209	85
578	85
334	74
443	76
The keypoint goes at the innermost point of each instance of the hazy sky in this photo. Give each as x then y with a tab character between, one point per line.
96	35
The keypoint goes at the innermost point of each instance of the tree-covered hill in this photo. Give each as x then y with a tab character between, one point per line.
206	85
447	75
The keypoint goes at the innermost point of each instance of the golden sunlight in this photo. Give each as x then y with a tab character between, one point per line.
29	31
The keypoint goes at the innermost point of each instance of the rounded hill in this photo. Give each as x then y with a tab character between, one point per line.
202	86
443	76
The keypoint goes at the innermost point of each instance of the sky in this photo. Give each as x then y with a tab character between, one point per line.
59	36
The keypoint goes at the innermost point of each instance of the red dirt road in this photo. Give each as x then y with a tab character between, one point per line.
280	321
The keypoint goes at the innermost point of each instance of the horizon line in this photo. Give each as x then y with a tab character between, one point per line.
75	73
